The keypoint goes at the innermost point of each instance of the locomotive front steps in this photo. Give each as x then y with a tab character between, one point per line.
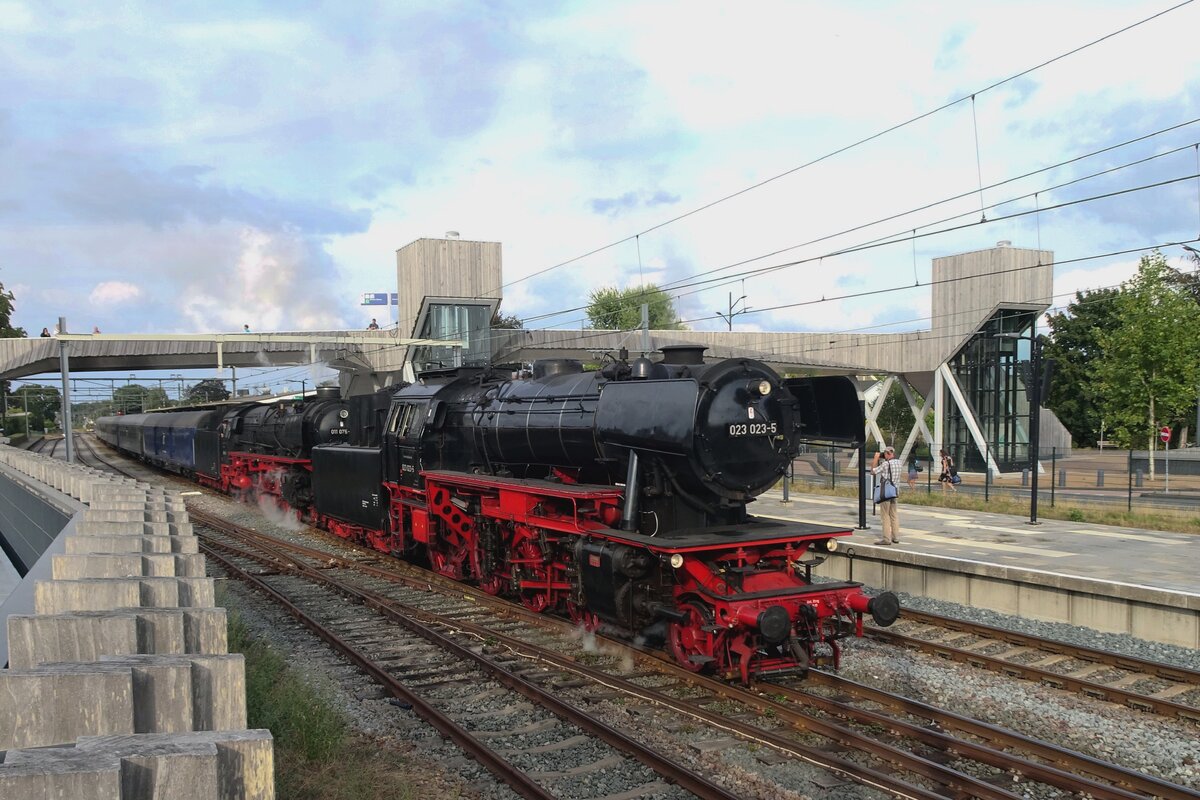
120	683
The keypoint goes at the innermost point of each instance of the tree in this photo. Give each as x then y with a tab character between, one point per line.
42	403
1075	396
135	398
611	308
894	417
508	321
7	331
206	391
1147	370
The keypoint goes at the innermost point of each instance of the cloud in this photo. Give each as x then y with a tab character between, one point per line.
114	293
614	206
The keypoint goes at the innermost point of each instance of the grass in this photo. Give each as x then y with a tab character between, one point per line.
1180	522
317	755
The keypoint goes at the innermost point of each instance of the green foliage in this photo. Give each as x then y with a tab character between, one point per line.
42	403
508	321
7	331
277	699
207	390
896	418
135	398
1147	370
611	308
1075	346
317	755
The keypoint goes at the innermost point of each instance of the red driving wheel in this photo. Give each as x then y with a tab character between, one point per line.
695	648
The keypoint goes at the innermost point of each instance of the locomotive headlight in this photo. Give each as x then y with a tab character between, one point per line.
758	388
676	560
344	413
831	545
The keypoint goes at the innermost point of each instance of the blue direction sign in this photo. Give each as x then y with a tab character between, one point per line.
380	298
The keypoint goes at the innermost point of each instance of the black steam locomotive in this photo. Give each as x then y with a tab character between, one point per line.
618	496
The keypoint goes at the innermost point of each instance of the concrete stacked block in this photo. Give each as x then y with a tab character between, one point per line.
229	765
56	704
120	684
73	566
131	543
92	635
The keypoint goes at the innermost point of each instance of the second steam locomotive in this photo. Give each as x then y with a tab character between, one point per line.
617	497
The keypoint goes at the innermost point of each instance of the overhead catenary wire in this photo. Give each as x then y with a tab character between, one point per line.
681	283
728	279
844	148
584	336
891	239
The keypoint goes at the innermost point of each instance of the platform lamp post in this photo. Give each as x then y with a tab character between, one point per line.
733	311
1035	388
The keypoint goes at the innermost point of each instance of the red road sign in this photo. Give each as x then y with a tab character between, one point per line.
1165	433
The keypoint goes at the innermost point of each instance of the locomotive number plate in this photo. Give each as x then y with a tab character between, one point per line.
753	429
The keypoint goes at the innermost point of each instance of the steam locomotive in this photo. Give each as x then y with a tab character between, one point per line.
617	496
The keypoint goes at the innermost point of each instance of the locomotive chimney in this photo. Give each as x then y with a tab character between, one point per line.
328	393
683	354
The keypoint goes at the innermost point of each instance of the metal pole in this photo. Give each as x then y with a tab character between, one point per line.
645	329
1053	473
1035	413
862	484
1167	477
987	472
787	481
1129	502
64	359
832	468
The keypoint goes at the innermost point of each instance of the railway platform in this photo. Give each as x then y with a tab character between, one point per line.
1110	578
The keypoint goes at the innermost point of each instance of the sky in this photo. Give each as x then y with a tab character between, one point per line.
193	167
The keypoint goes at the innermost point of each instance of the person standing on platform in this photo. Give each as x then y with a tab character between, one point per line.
246	328
374	326
913	473
948	473
887	470
45	333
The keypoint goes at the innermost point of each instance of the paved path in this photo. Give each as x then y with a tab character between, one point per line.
1123	555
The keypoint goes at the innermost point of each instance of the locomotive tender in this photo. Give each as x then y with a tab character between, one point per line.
618	497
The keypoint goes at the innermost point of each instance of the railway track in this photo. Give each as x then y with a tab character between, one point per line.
783	708
886	741
1149	686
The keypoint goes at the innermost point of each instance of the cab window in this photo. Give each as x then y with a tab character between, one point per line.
406	421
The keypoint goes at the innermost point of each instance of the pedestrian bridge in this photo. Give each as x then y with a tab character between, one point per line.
356	352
